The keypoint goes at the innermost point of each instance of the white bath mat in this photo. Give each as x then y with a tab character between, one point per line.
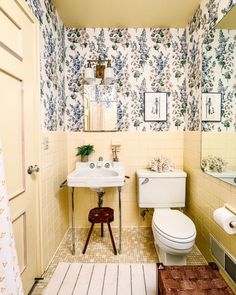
102	279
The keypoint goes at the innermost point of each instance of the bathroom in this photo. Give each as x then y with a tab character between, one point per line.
148	55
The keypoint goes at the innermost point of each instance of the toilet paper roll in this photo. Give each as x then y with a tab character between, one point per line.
224	217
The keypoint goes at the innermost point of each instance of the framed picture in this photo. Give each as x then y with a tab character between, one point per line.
155	106
211	107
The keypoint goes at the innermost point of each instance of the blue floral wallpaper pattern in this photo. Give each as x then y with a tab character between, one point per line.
52	60
143	60
206	17
218	75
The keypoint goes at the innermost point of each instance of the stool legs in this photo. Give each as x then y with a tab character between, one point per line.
89	235
102	230
110	232
112	240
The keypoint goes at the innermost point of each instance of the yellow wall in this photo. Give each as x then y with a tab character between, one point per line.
137	149
54	201
222	144
204	195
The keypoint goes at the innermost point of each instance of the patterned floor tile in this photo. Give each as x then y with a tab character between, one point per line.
137	247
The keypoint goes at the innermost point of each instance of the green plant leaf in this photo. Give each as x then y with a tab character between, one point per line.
85	150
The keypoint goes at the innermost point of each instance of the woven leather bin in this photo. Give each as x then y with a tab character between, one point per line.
189	280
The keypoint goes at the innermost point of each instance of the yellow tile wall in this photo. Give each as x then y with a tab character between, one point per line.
222	144
54	201
137	149
204	195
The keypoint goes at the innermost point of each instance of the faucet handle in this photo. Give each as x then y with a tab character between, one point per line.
100	159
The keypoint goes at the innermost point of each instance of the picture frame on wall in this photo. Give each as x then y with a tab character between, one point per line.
211	107
155	106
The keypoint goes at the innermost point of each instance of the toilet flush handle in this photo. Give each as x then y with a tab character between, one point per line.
146	180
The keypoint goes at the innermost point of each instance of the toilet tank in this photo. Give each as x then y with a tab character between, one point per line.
161	190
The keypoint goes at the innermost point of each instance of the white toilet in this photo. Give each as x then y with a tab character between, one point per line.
174	232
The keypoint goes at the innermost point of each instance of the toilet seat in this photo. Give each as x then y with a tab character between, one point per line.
173	226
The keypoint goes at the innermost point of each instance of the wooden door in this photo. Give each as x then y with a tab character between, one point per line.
19	128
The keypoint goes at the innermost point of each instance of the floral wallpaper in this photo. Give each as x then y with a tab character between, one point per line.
52	60
144	60
165	60
206	17
218	75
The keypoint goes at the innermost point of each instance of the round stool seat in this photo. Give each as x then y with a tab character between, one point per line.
101	215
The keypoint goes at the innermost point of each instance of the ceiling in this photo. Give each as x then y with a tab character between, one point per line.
126	13
228	21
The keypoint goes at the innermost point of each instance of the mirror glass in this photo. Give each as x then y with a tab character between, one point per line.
100	108
219	100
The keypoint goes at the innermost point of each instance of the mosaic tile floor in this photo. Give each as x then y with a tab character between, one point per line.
137	247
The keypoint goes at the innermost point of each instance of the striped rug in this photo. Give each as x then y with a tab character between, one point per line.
102	279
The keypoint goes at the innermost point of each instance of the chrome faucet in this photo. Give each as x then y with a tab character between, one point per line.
100	161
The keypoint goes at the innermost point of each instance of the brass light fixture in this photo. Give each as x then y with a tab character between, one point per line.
101	71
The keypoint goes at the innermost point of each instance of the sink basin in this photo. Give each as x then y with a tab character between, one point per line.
95	174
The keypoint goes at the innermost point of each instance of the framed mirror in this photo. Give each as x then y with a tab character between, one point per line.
100	108
219	100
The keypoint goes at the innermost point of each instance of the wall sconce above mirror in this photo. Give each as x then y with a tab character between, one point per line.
101	74
100	108
219	100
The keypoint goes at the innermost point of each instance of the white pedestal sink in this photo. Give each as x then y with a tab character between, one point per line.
97	175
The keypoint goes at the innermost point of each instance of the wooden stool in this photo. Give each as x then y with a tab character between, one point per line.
101	215
191	279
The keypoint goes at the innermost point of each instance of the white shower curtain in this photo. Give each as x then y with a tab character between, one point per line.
10	280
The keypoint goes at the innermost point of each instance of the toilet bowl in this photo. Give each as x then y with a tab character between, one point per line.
174	235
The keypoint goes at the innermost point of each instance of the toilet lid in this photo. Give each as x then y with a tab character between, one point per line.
174	224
